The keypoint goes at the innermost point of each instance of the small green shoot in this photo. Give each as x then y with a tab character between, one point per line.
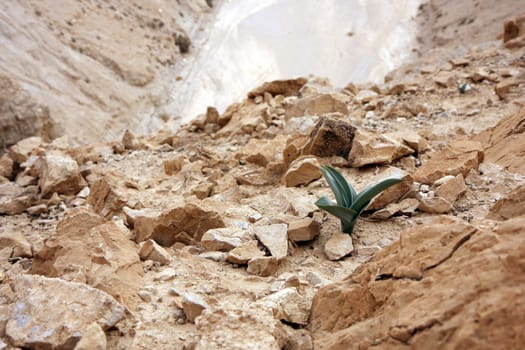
349	204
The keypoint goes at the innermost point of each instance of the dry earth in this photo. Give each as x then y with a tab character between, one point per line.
208	238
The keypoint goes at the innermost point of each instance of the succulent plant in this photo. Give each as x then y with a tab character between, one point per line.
349	204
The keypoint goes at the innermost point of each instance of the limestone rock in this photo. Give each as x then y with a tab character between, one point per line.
17	242
318	104
510	206
182	217
298	339
505	142
445	79
108	194
21	151
410	139
513	28
274	237
150	250
173	166
262	152
225	239
447	274
459	157
87	248
365	96
369	148
288	87
6	166
330	137
50	313
244	253
59	173
15	199
288	305
434	205
263	266
452	189
406	207
338	246
193	305
130	141
302	171
303	230
393	193
20	115
93	338
242	119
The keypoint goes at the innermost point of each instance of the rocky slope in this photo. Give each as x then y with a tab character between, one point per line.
90	67
208	238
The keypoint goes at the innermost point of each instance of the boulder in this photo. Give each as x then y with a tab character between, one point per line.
393	193
302	171
338	246
318	104
87	248
303	230
16	241
370	148
244	253
50	313
263	266
330	137
510	206
15	199
443	281
459	157
288	87
225	239
150	250
182	217
505	143
274	238
59	173
452	188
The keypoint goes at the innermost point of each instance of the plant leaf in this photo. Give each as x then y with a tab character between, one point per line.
364	198
343	191
347	216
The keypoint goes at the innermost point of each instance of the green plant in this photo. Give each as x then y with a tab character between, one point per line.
349	204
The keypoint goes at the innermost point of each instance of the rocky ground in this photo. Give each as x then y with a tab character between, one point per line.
208	238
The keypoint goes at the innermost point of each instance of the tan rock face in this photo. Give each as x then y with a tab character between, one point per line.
330	137
459	157
289	87
302	171
189	218
15	199
430	285
87	248
59	173
505	143
452	189
510	206
50	313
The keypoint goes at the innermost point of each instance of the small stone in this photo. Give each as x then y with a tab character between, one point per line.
303	230
173	166
214	256
144	295
445	79
225	239
18	244
84	193
302	171
365	96
193	305
130	141
338	246
406	207
452	189
393	193
274	238
150	250
367	250
288	305
6	166
37	209
255	217
288	87
244	253
22	149
15	199
59	173
263	266
298	339
434	205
